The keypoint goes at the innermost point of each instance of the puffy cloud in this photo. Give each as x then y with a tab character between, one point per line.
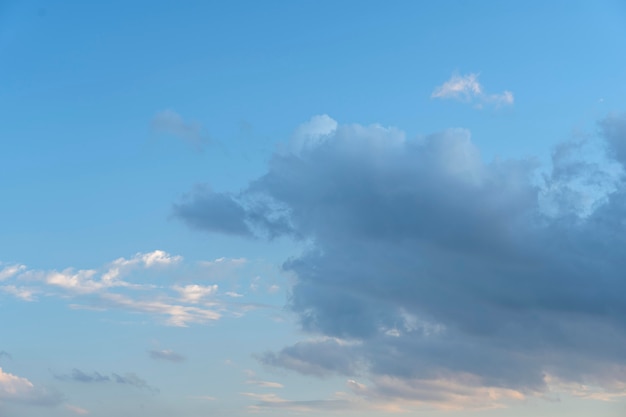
194	293
467	88
17	389
166	355
428	267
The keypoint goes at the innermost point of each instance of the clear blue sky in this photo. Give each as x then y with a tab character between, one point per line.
312	207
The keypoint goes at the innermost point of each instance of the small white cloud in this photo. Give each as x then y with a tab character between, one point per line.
467	88
10	271
77	410
264	384
20	390
234	294
194	293
167	355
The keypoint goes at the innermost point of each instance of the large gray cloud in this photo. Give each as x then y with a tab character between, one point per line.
434	263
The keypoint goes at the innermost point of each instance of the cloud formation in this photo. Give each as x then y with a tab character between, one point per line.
442	278
116	286
467	88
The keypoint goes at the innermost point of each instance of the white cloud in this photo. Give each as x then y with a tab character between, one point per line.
18	389
166	354
25	294
11	270
177	315
467	88
194	293
113	287
264	384
312	133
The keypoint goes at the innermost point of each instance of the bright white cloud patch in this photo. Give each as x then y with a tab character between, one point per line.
115	286
467	88
20	390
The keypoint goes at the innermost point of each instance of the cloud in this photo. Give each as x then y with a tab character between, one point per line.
133	380
115	286
467	88
9	271
5	354
428	267
95	377
79	376
20	390
77	410
23	293
171	123
194	293
264	384
273	401
166	355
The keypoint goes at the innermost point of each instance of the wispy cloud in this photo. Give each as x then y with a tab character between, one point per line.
467	88
166	355
77	410
171	123
264	384
130	379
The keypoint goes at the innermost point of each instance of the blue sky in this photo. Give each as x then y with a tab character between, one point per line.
312	208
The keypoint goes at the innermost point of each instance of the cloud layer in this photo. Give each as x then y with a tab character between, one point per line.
436	276
133	285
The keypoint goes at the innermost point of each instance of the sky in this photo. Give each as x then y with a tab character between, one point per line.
312	208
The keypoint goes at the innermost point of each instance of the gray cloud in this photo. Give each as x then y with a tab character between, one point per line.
95	377
79	376
171	123
166	355
436	264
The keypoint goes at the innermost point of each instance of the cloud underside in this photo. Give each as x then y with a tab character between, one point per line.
428	267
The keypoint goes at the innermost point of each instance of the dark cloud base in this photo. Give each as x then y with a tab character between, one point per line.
434	264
